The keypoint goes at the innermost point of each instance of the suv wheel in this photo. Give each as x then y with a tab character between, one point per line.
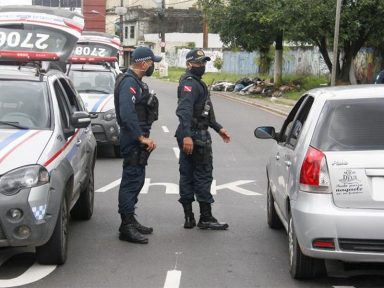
274	221
300	265
83	208
54	252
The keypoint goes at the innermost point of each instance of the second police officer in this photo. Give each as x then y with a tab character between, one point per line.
196	115
136	110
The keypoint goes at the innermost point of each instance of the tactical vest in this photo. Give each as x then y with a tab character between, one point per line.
147	108
201	109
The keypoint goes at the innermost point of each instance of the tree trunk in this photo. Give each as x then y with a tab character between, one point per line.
277	76
343	73
265	61
323	48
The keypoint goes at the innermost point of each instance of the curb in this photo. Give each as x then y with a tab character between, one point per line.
258	103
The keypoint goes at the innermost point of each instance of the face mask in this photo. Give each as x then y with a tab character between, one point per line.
198	71
150	70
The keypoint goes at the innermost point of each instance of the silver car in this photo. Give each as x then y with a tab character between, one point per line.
326	177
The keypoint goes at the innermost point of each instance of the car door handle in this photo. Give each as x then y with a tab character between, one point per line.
78	142
277	157
288	163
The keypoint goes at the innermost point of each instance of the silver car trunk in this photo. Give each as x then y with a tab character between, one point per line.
357	178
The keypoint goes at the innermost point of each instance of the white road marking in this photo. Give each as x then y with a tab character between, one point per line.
172	188
233	186
33	274
165	129
176	150
173	279
109	186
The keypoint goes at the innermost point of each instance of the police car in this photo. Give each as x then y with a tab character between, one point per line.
47	150
93	71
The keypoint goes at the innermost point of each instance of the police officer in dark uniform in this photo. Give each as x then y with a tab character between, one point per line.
196	115
136	109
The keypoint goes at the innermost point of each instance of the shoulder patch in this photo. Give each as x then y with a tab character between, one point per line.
187	88
132	90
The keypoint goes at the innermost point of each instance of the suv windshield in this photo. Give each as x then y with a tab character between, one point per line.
93	81
350	125
24	104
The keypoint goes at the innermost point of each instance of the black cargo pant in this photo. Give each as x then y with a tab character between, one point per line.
133	178
195	176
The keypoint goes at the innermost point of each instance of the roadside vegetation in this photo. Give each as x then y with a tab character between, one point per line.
299	83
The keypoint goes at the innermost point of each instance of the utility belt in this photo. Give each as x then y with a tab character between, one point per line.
138	155
199	125
202	146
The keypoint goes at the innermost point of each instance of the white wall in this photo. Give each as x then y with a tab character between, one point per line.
177	4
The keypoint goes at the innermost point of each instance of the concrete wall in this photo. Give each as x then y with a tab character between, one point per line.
307	61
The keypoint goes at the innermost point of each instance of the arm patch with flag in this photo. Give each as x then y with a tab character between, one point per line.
132	90
187	88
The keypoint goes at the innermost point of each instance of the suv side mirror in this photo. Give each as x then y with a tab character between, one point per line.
80	119
265	132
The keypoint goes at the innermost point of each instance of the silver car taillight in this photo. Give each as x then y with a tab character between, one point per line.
314	176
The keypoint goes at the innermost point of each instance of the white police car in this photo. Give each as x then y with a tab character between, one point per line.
93	71
47	150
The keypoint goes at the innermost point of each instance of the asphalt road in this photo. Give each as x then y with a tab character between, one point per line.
248	254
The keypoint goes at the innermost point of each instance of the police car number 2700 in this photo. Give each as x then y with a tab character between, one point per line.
25	40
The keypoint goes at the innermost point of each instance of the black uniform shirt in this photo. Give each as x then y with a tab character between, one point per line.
192	94
130	92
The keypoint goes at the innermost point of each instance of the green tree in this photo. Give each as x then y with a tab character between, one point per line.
250	25
218	63
313	21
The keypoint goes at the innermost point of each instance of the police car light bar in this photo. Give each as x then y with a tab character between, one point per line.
93	47
90	60
38	33
20	55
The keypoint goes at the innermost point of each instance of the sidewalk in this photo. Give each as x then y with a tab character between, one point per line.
280	106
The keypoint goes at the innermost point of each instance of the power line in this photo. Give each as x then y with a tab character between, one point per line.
175	3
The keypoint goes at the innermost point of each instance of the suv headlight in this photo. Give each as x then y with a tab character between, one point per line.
110	115
24	177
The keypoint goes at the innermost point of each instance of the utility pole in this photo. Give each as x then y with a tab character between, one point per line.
205	28
121	24
163	66
162	17
336	43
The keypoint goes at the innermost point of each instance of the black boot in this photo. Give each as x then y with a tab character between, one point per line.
141	228
129	232
190	221
207	221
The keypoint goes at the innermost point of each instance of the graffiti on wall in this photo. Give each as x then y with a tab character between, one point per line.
296	60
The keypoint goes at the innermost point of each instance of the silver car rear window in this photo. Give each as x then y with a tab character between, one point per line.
350	125
24	103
